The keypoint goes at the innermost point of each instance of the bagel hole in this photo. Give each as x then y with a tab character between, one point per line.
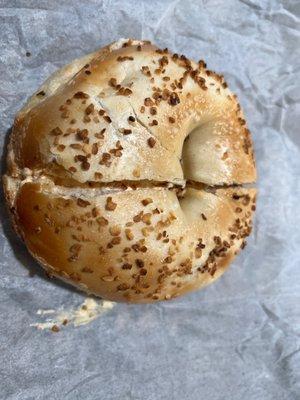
200	157
190	158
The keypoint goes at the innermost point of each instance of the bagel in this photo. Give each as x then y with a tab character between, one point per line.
125	174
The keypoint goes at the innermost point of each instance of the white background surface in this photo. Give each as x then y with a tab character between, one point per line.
238	339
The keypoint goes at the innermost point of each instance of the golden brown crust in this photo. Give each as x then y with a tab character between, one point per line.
119	118
132	113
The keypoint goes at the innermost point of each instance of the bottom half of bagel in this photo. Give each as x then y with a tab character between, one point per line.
135	245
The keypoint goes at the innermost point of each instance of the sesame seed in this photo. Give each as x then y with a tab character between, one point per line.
85	165
82	203
136	173
125	58
41	93
148	102
81	95
129	234
126	131
82	134
126	266
110	205
151	142
112	82
94	148
102	221
146	218
146	201
87	270
90	108
107	278
61	147
56	131
139	263
174	99
114	230
98	175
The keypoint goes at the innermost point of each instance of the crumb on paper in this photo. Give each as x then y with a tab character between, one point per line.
85	313
45	312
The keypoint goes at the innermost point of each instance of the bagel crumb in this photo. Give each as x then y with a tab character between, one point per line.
55	328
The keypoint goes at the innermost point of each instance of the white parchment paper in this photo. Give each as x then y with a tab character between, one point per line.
238	339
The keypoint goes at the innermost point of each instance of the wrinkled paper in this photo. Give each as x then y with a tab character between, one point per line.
237	339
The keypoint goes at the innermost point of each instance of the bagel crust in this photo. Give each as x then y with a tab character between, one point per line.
125	173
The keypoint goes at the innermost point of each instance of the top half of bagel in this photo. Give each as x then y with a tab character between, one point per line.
133	112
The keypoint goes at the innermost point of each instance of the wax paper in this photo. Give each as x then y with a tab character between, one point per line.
237	339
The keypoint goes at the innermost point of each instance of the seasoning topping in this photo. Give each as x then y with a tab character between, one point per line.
151	142
110	205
